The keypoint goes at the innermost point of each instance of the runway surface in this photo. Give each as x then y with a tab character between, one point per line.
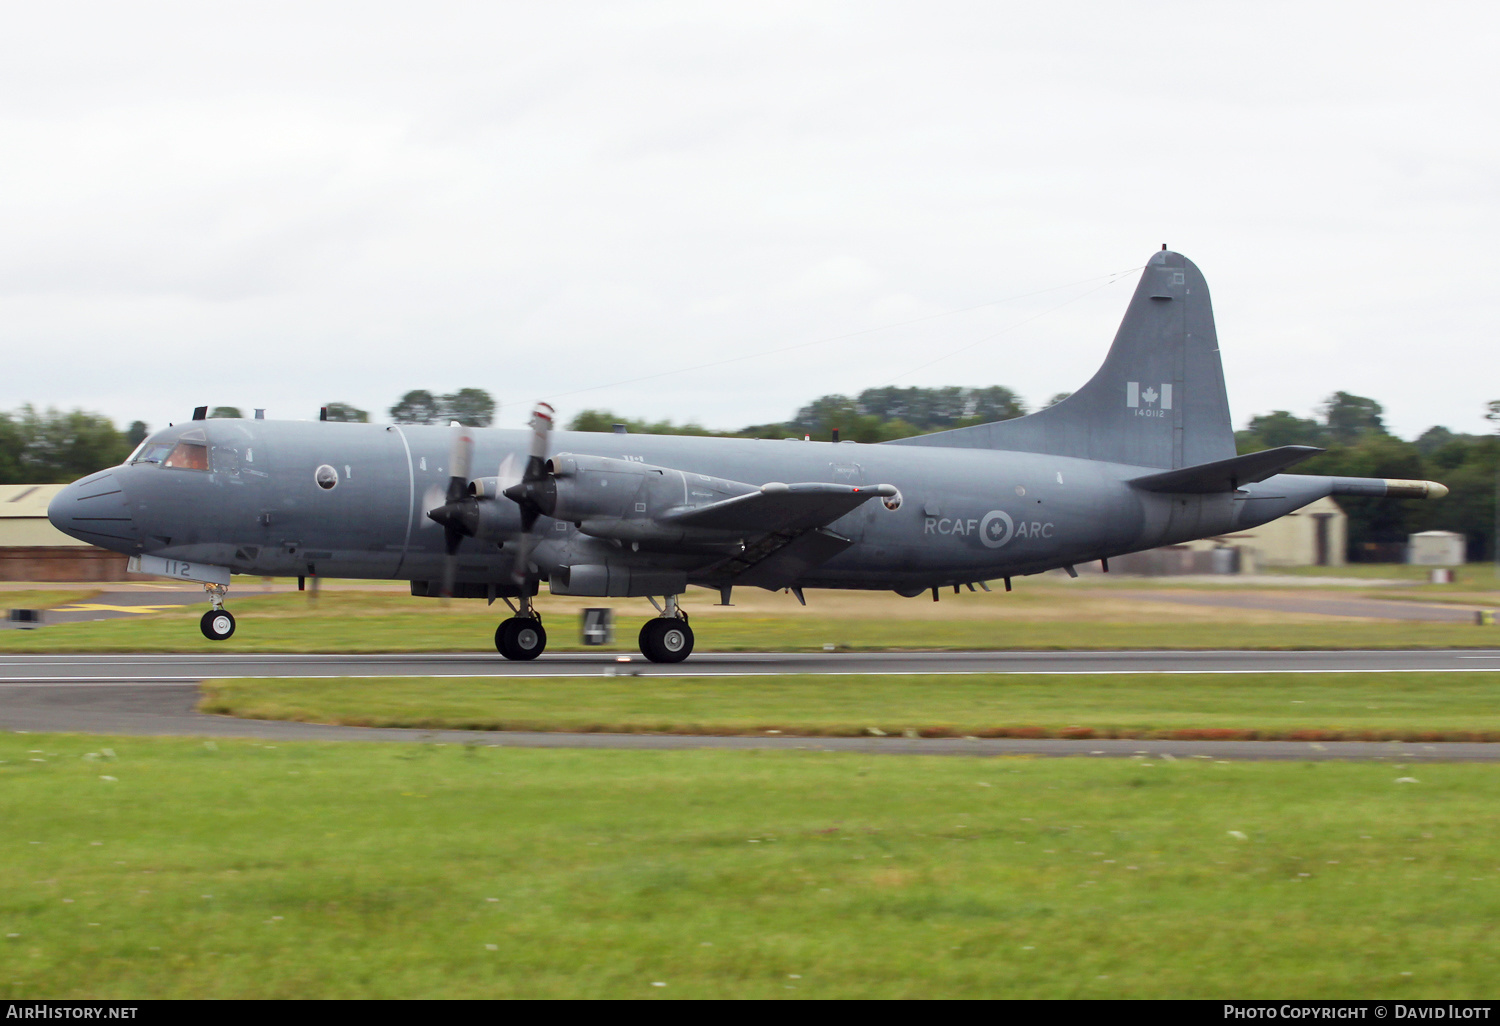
156	695
180	668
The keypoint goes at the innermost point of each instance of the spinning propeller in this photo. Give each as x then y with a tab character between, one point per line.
534	481
451	513
459	514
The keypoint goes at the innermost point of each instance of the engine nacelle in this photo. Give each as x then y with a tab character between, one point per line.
605	581
486	515
594	487
596	490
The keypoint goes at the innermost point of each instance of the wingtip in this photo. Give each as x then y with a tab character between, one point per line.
1396	489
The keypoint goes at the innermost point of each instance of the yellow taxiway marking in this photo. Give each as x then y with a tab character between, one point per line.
100	607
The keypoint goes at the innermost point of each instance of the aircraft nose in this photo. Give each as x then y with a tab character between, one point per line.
93	510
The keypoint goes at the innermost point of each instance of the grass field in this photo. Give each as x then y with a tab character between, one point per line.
138	868
1050	616
1367	706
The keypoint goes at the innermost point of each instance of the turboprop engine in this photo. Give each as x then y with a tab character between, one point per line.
485	519
624	500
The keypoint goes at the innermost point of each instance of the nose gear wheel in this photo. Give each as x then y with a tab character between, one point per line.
217	624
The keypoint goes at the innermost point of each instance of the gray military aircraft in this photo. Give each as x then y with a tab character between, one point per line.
1142	455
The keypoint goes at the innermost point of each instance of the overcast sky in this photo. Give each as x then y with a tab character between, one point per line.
280	205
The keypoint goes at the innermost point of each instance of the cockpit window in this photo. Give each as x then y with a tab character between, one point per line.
188	451
187	456
152	452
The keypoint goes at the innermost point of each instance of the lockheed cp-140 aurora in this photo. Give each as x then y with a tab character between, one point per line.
1142	455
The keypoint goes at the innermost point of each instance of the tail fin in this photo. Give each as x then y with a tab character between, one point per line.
1159	399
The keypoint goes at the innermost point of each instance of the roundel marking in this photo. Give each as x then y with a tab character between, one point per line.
996	528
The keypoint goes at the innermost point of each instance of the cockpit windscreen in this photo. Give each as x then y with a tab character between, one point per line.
181	455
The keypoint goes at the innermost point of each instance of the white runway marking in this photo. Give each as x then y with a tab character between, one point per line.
113	681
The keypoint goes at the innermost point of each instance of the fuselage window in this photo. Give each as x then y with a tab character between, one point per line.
326	476
188	456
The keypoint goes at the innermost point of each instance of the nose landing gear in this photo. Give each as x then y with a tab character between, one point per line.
218	623
668	638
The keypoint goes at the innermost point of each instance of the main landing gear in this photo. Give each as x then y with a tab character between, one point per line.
664	639
668	638
218	623
522	636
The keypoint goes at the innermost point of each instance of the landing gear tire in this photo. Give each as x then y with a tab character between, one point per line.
520	637
666	640
217	624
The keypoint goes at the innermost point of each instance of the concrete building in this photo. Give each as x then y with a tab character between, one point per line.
31	549
1436	548
1315	535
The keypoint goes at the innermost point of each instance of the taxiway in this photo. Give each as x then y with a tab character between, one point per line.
157	695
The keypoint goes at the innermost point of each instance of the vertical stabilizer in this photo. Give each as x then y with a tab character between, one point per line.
1159	399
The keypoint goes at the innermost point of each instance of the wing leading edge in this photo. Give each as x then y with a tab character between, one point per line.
779	507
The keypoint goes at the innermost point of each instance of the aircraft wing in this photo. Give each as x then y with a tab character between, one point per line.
779	507
788	522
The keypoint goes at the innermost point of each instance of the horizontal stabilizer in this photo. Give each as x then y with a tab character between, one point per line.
1226	475
779	507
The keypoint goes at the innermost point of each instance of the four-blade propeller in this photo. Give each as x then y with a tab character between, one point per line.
459	514
534	481
451	513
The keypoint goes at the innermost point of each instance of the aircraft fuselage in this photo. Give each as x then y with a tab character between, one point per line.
964	515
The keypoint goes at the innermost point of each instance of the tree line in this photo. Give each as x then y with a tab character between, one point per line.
1352	430
875	415
52	446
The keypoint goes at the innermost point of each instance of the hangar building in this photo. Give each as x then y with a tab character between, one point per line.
31	549
1315	535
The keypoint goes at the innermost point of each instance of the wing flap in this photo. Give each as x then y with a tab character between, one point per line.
780	559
